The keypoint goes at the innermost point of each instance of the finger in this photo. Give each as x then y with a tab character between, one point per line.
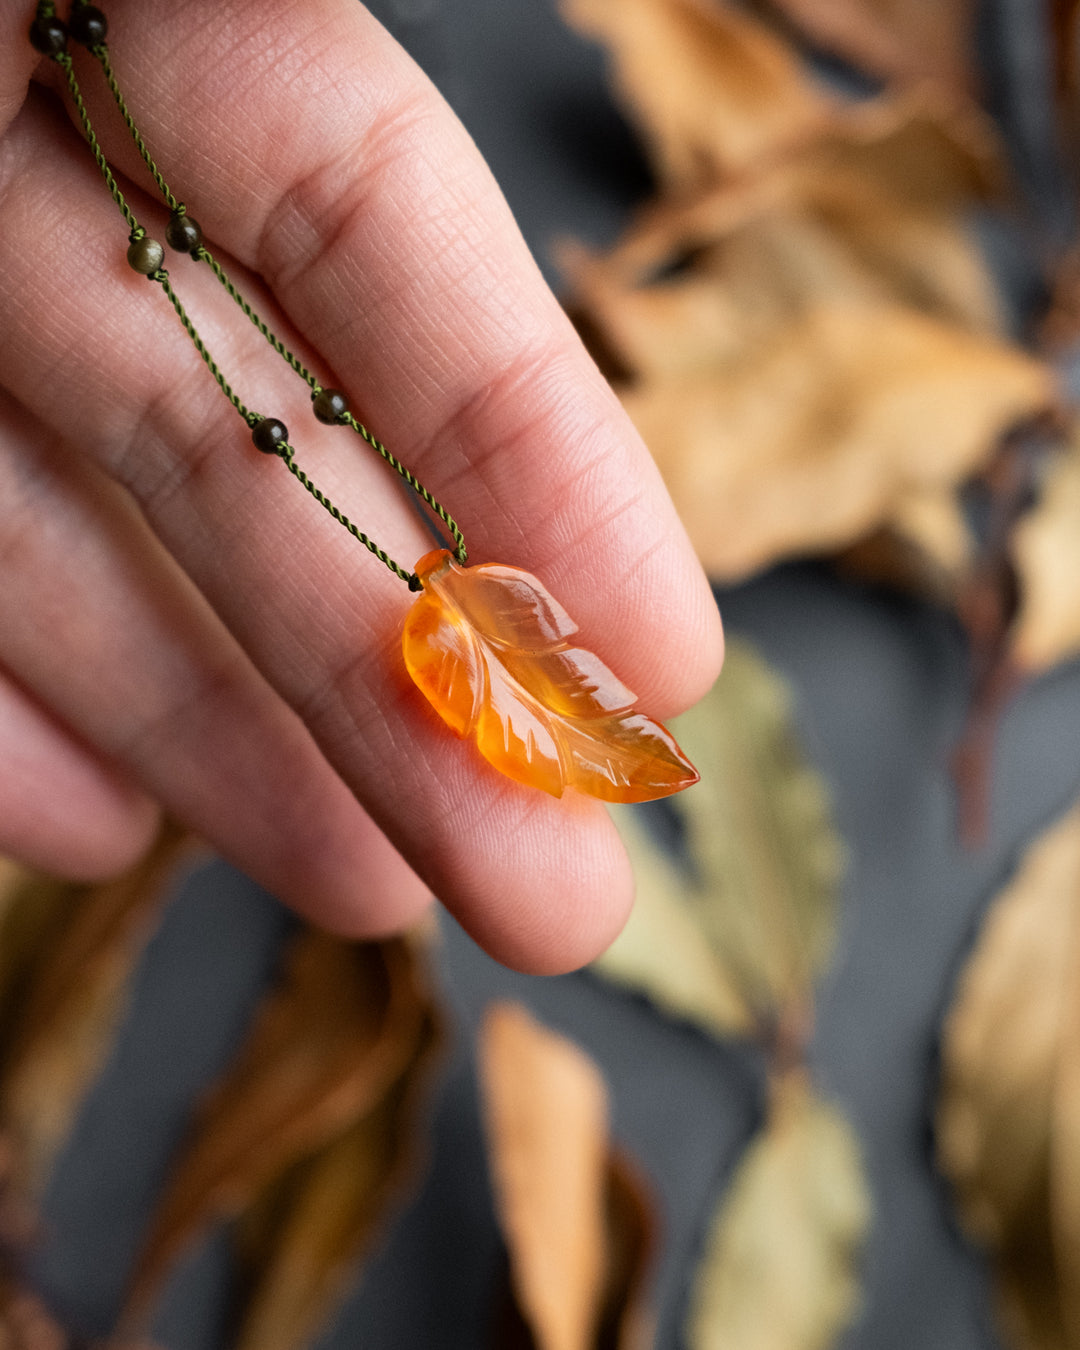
341	177
62	808
103	627
543	885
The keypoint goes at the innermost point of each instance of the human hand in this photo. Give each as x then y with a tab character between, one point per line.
180	623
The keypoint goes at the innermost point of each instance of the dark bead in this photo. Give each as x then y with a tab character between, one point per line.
88	25
269	435
48	35
183	234
145	255
329	406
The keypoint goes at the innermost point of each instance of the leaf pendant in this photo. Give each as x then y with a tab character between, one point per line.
490	650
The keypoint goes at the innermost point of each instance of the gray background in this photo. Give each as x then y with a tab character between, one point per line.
881	688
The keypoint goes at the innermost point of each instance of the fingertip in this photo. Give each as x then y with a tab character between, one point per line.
554	899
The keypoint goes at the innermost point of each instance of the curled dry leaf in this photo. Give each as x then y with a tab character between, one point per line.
754	926
573	1213
1046	555
808	338
66	955
490	648
1008	1127
780	1265
318	1103
713	92
896	39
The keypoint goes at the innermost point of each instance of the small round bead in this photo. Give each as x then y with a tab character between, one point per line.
88	25
329	405
269	435
48	36
183	234
145	255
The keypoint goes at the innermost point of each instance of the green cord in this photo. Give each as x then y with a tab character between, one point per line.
46	9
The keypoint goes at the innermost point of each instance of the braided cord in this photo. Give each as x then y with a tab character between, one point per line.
410	478
413	581
64	61
101	51
203	254
162	278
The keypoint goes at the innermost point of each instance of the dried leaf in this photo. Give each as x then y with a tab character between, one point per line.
780	1265
829	431
1006	1039
713	91
489	648
1046	554
755	924
562	1198
663	950
897	39
66	955
330	1047
307	1235
870	212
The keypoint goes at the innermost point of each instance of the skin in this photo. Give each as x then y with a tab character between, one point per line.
183	628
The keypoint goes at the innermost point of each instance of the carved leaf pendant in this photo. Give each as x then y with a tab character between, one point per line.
490	649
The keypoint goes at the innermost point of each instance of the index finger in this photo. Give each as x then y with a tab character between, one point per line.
316	152
313	150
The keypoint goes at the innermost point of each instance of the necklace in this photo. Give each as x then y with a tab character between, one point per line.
488	646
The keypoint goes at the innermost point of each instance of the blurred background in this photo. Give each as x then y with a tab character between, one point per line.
823	249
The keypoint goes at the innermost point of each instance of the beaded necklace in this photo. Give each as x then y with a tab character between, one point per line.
489	647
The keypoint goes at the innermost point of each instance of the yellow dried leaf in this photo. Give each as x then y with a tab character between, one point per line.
779	1270
898	39
66	955
330	1044
825	434
713	91
759	828
1003	1044
751	931
546	1114
1046	553
663	950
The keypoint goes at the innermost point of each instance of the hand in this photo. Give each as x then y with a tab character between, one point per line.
180	624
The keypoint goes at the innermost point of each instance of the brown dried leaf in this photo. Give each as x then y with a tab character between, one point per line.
897	39
66	955
713	91
870	212
1005	1138
307	1235
779	1271
754	928
330	1046
575	1223
1046	555
829	431
812	350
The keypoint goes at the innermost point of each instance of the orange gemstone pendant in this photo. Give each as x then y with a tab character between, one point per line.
489	648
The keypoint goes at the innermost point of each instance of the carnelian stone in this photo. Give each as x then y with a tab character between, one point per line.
491	649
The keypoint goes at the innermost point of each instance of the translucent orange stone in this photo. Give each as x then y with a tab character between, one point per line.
490	649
